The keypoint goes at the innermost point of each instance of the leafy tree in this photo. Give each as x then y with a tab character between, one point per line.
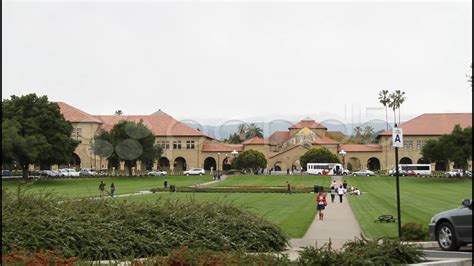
250	159
132	142
35	132
318	155
102	146
456	147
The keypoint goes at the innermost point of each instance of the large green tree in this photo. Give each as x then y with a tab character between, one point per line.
251	159
131	142
455	147
318	155
35	132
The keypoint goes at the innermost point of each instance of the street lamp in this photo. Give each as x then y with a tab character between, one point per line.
234	153
218	160
343	153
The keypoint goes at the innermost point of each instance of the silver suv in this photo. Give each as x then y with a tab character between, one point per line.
194	171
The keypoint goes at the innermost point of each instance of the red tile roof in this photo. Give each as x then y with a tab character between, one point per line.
309	123
73	114
278	137
159	124
361	147
325	140
434	124
221	147
254	141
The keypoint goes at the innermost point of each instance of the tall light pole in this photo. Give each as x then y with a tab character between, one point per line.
343	154
218	160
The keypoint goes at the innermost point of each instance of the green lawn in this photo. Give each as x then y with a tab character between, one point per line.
274	180
88	187
293	213
420	199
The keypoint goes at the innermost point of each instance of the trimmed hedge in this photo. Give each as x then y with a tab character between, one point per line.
113	229
242	189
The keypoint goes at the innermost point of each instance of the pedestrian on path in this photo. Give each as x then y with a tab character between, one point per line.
340	192
333	191
321	204
165	184
288	188
112	190
344	185
102	188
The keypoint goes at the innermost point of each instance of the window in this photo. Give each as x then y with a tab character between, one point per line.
418	144
408	144
177	145
164	144
190	144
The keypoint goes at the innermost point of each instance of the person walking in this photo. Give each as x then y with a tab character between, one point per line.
321	204
344	185
340	192
333	191
112	190
165	184
102	188
288	188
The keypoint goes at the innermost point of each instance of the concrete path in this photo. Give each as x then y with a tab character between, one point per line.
223	177
339	225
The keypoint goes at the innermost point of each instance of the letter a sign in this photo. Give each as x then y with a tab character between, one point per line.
397	137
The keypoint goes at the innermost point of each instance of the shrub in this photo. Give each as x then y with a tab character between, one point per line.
414	232
112	229
22	256
362	252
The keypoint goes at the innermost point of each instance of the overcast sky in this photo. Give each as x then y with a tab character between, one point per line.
214	61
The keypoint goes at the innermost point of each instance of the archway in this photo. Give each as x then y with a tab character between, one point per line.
373	164
75	161
277	166
209	163
164	163
180	164
405	160
440	166
423	160
355	163
226	164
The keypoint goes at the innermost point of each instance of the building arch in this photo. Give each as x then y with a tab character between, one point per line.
373	164
210	163
441	166
163	163
278	166
75	161
226	164
405	160
179	164
355	164
423	160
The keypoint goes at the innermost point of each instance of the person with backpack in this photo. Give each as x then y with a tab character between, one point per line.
333	191
321	204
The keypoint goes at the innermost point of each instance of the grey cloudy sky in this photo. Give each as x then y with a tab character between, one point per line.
212	61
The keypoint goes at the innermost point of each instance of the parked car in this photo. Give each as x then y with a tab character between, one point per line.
453	228
157	173
73	172
6	173
363	173
455	172
87	172
48	173
401	172
68	172
194	171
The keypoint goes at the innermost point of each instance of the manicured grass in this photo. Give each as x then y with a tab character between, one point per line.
420	199
293	213
275	180
88	187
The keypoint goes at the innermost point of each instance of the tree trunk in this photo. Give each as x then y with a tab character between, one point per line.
386	117
129	170
24	169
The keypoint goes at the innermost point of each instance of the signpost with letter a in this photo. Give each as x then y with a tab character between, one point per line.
397	142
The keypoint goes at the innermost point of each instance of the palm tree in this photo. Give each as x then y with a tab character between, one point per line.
119	112
396	100
254	131
242	130
358	134
384	100
368	134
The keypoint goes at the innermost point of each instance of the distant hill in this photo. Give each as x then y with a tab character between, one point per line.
222	132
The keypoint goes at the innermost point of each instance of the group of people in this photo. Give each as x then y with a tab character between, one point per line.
339	190
102	189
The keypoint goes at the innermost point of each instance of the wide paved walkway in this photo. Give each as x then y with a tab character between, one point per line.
339	225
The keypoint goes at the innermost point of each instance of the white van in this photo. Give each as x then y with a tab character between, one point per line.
325	169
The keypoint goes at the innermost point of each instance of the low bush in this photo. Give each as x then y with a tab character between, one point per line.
22	256
111	229
362	251
414	232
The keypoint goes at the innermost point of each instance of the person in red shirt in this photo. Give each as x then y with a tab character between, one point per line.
288	188
321	204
